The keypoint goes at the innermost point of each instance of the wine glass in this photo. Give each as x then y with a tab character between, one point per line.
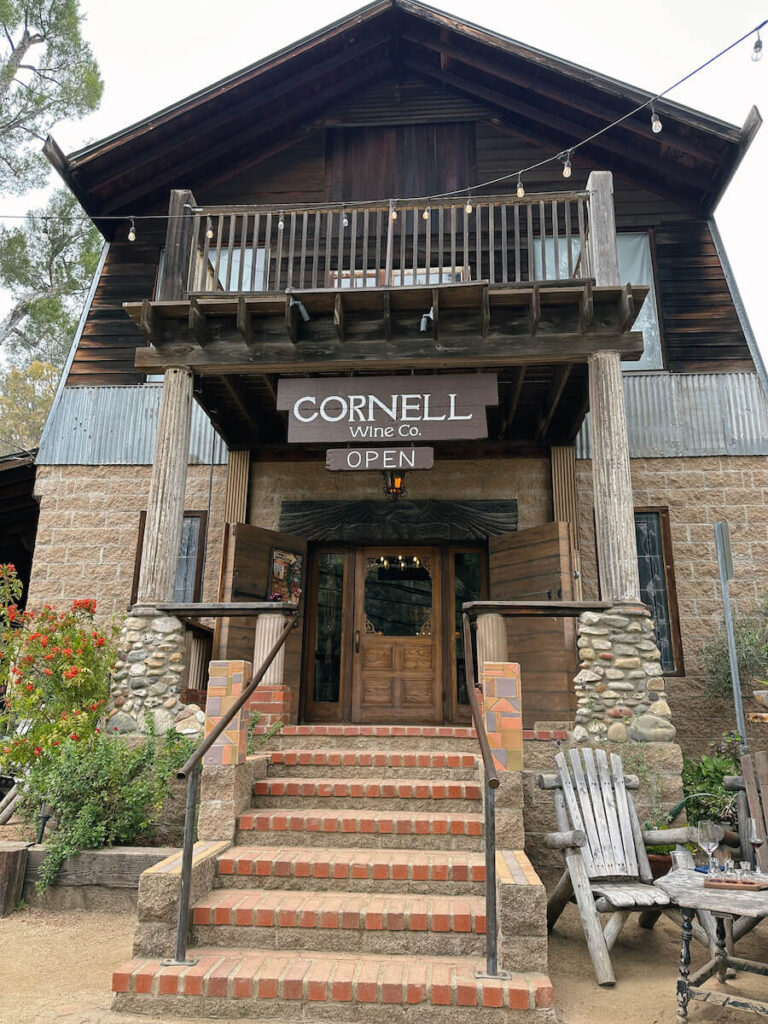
756	839
709	840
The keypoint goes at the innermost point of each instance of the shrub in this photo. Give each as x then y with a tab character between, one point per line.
706	796
102	792
751	654
55	670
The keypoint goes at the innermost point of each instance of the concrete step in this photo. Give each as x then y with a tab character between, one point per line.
370	794
312	986
394	764
318	826
342	921
373	737
354	870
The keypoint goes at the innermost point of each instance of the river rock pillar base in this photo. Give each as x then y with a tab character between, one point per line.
620	688
148	675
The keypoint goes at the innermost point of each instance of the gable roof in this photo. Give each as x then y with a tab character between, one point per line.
269	105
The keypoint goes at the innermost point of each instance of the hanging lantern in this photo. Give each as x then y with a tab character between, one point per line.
394	484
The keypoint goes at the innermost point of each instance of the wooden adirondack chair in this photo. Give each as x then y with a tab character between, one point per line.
606	866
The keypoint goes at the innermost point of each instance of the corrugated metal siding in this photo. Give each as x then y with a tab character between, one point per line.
110	426
679	414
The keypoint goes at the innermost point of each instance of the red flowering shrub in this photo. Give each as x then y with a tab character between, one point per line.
53	665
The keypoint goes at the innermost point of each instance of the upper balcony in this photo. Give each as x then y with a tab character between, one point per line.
496	281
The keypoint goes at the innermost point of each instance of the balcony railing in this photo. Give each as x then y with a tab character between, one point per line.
500	239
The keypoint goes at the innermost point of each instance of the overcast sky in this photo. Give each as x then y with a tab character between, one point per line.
155	52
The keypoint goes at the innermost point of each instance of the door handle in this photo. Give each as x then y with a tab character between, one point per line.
357	641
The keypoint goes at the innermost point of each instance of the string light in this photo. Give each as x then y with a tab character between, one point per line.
520	189
280	223
344	220
468	207
132	231
566	158
655	122
757	49
393	214
425	215
209	228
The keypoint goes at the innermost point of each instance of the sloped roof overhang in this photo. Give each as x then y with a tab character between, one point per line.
271	104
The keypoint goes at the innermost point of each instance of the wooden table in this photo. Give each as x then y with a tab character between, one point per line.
686	888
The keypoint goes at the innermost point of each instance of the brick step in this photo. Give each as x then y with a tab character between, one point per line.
353	870
370	794
342	921
318	826
313	986
343	763
373	737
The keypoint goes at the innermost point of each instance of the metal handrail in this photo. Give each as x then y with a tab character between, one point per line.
191	772
489	808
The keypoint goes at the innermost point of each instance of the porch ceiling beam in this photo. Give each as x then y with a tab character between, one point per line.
558	129
234	389
560	377
512	402
173	172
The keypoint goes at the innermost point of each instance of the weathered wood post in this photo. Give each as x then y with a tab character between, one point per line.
612	483
165	506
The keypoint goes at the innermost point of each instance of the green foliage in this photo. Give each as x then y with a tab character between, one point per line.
25	399
705	776
751	653
47	74
102	792
47	265
55	670
254	741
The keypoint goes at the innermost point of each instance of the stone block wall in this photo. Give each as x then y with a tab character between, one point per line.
89	527
698	492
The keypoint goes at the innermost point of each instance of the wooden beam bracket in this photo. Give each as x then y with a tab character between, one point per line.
198	327
244	322
534	311
485	313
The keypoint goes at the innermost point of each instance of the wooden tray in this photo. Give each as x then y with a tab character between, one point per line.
722	883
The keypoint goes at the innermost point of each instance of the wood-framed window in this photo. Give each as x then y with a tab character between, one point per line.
657	584
189	568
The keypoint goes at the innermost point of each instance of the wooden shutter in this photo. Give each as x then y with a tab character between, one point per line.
245	569
537	565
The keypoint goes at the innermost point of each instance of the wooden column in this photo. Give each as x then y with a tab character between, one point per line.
178	245
165	507
236	499
612	482
564	505
491	640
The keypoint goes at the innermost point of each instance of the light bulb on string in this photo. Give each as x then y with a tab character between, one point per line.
468	207
757	49
132	231
344	220
209	228
425	215
393	215
281	223
566	158
520	188
655	122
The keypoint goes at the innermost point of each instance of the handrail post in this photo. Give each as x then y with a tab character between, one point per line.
390	243
182	921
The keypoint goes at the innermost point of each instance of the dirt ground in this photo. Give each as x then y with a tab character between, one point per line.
56	966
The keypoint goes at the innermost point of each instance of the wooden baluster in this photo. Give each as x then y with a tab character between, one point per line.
353	251
415	245
529	241
584	272
365	249
279	256
303	264
465	242
555	233
267	253
388	256
197	268
478	243
516	216
403	224
255	249
440	256
340	251
230	252
543	239
428	245
453	244
316	247
328	244
243	234
568	237
491	245
504	267
217	261
291	252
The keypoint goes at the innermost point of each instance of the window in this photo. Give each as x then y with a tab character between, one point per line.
657	583
635	267
189	568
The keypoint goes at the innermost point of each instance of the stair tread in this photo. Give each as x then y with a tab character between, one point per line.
372	788
373	758
425	731
323	819
369	911
334	977
344	862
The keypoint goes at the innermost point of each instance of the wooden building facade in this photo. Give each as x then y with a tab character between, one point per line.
321	216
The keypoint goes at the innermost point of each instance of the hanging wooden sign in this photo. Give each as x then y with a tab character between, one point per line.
391	410
402	459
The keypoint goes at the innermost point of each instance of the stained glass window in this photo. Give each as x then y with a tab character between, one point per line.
654	587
